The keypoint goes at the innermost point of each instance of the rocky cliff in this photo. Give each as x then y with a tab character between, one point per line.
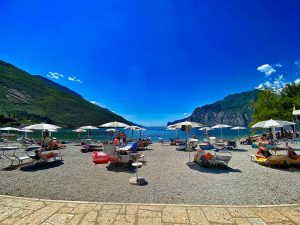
233	110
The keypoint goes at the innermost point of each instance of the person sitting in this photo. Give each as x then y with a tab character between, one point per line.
39	155
116	141
140	143
263	151
292	154
53	144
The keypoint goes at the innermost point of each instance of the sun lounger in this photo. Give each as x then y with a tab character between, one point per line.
91	147
165	143
9	152
122	155
50	157
109	149
13	158
43	158
273	160
252	157
126	148
181	147
213	158
191	146
231	145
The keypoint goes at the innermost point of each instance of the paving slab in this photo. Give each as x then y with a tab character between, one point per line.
218	215
25	211
270	215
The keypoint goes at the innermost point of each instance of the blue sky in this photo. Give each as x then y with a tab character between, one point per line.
154	61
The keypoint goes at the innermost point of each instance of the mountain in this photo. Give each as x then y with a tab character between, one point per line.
25	98
233	110
63	88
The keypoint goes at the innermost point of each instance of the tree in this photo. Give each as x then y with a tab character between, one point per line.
290	97
276	105
1	119
266	106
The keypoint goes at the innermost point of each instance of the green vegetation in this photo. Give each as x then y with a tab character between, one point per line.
276	105
26	99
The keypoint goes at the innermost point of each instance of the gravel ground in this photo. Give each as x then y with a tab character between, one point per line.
171	180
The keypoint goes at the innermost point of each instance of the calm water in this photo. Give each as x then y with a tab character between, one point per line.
153	132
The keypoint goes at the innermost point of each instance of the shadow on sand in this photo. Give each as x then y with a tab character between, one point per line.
238	150
14	167
41	166
121	168
291	168
220	169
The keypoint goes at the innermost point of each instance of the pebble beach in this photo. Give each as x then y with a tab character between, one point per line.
172	179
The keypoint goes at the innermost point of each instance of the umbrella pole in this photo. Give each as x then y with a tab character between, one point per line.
137	167
274	139
221	133
187	143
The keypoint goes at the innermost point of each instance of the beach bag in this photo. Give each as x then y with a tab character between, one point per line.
207	156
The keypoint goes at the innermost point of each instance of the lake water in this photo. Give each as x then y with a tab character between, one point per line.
152	132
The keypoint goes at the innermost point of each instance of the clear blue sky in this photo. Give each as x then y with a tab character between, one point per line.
153	61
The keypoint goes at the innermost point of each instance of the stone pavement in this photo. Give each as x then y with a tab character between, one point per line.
19	211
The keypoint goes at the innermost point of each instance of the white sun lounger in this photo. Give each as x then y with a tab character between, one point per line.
12	156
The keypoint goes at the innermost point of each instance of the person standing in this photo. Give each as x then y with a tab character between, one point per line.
124	137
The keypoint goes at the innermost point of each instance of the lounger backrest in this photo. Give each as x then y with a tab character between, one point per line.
109	149
134	147
212	140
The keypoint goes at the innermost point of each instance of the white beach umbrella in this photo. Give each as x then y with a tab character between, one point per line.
141	129
78	131
132	128
176	130
111	130
220	126
272	124
9	129
187	125
238	129
205	128
51	130
114	124
42	127
25	131
88	128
